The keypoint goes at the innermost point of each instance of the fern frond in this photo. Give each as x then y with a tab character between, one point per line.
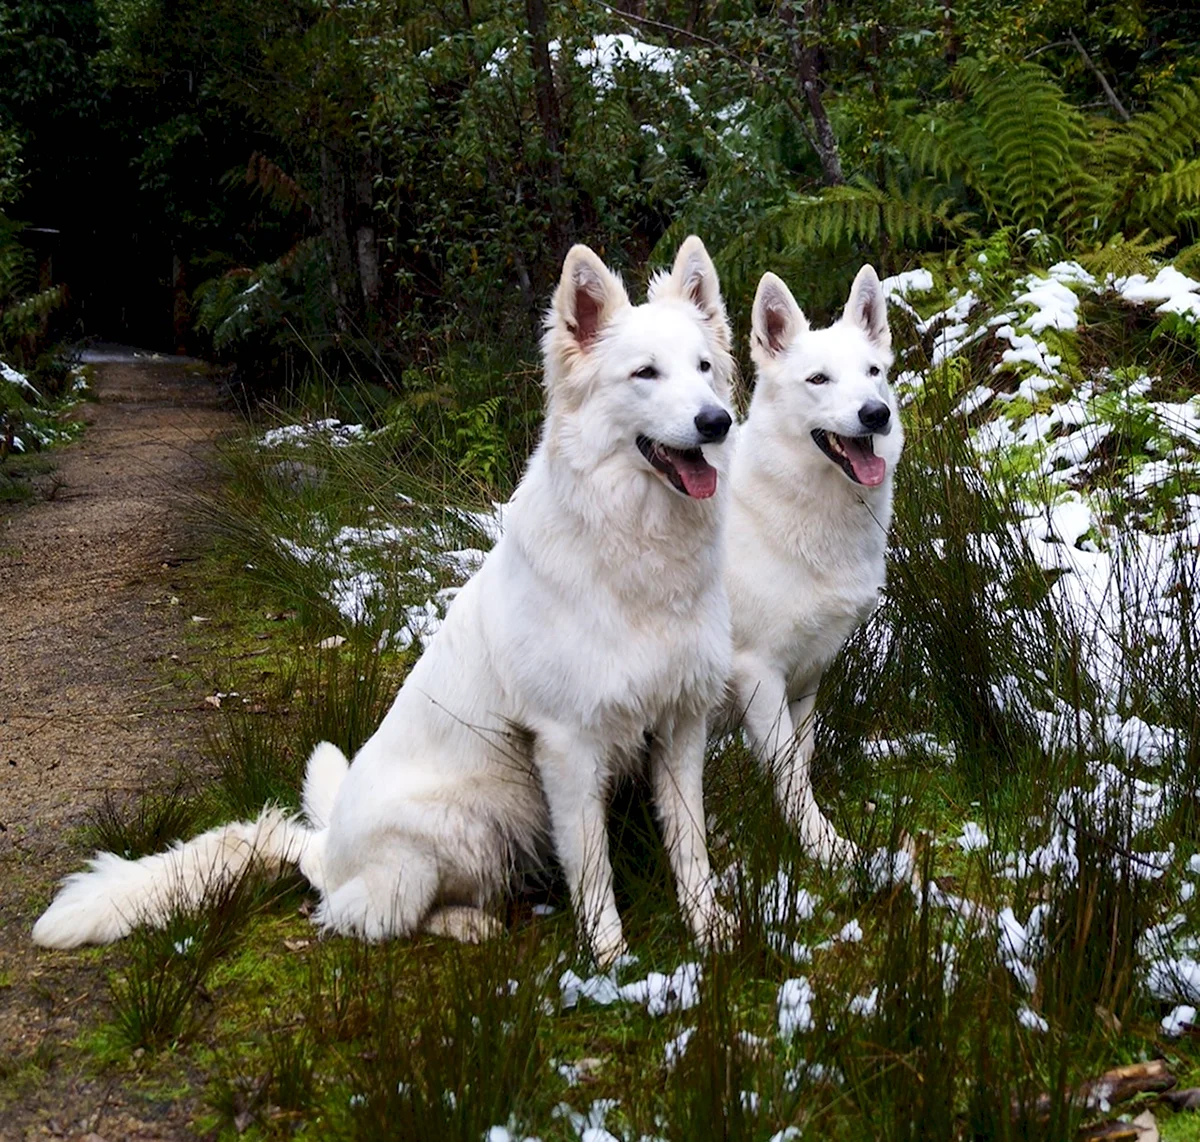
1169	130
862	214
1121	256
1032	133
275	184
24	315
1187	260
1014	143
1165	192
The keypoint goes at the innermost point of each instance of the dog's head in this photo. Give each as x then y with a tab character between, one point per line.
647	383
830	386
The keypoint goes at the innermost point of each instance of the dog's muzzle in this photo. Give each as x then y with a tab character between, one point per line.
685	469
855	455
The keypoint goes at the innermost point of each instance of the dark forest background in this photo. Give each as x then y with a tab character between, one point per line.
384	190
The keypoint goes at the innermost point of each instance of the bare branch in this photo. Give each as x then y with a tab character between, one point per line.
1109	94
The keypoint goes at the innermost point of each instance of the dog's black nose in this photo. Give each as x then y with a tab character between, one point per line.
874	415
713	423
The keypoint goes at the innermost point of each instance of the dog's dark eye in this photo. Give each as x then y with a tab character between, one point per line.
705	366
646	372
874	370
817	379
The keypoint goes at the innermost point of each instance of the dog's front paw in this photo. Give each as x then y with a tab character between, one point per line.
715	926
822	842
607	944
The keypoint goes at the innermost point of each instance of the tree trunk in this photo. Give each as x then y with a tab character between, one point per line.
335	227
366	246
550	118
806	63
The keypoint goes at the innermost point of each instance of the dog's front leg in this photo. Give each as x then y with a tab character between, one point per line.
572	771
793	785
781	735
677	770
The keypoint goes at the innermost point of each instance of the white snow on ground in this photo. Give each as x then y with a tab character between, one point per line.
1027	1017
897	749
888	867
675	1048
783	902
794	1005
9	374
360	573
972	838
1103	581
1026	349
505	1134
1056	305
588	1127
329	431
658	992
911	281
865	1004
1179	1020
1176	292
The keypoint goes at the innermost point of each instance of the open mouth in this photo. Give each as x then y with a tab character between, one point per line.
685	468
855	455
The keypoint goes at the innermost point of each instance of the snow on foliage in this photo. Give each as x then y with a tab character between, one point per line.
18	380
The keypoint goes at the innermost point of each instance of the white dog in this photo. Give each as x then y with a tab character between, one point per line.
809	515
597	624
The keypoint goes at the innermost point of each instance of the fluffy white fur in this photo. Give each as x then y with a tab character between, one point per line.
598	623
806	540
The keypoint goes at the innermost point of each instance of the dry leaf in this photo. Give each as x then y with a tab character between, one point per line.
332	642
213	700
1147	1128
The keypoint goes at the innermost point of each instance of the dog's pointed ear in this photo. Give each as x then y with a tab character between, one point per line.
694	278
867	307
775	321
588	294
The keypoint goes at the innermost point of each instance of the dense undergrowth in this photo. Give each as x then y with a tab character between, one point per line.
1018	720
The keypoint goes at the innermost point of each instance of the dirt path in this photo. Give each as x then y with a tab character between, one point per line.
90	702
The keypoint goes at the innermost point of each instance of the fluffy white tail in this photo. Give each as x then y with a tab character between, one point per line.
115	895
327	767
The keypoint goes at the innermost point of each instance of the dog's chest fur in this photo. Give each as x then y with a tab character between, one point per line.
809	558
639	625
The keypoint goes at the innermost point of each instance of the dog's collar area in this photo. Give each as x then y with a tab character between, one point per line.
855	455
686	469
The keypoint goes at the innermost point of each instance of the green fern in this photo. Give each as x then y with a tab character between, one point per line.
23	317
1014	142
1121	256
1013	152
1168	131
1187	261
863	214
1160	196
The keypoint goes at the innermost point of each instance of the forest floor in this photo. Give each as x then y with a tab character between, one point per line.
96	699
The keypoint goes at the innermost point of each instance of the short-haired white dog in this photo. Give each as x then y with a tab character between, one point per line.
598	624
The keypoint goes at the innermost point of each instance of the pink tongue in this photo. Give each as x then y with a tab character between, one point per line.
868	467
698	476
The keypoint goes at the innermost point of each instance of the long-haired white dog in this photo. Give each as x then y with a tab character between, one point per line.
597	624
810	509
